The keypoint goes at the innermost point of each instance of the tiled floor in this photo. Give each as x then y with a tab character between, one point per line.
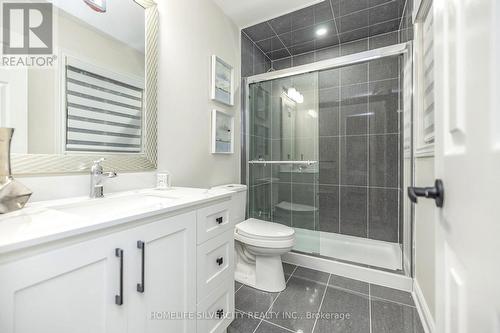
317	302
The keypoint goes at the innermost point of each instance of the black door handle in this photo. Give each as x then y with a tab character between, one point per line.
436	193
141	246
219	220
119	297
220	260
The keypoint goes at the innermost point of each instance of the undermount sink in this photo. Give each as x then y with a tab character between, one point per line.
112	206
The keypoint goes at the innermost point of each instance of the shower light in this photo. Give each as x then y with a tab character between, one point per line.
295	96
321	31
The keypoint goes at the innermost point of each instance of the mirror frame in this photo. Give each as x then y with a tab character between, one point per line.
38	164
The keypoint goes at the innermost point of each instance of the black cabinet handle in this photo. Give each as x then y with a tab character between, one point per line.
220	313
119	297
219	220
142	246
436	193
220	260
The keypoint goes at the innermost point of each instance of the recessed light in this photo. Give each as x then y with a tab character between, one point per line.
321	31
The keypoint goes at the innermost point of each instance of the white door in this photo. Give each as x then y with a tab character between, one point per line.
169	276
14	105
467	92
71	289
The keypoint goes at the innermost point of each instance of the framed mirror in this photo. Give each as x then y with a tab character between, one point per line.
99	99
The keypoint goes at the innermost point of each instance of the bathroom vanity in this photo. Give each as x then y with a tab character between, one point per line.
140	261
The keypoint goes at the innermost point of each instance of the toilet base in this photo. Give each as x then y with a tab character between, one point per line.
265	273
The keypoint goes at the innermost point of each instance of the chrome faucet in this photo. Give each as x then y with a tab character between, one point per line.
97	178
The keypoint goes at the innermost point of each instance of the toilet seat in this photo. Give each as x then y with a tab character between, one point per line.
264	234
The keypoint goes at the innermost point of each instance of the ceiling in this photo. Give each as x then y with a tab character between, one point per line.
340	22
112	21
245	13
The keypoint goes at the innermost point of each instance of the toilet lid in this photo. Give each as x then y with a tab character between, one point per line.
254	228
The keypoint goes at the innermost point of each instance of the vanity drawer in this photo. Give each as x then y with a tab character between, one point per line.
213	220
215	261
217	309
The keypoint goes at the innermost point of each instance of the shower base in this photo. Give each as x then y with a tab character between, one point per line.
348	248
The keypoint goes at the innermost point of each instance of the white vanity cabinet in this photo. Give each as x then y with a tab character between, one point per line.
167	287
150	277
70	289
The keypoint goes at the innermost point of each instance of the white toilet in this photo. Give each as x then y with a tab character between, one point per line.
259	246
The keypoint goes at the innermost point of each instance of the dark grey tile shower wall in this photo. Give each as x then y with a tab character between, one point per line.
359	149
253	60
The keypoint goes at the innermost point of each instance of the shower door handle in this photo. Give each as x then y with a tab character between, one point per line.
436	192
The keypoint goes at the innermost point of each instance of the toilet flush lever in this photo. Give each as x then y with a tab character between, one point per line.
436	193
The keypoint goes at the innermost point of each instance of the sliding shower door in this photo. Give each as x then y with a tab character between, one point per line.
283	155
326	157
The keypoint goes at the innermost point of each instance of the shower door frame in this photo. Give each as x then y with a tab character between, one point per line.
342	61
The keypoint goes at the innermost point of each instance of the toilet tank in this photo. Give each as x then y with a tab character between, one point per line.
238	201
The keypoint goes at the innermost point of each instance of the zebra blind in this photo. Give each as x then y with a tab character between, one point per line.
428	80
103	110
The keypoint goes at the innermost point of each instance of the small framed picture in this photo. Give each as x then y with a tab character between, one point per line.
222	81
222	133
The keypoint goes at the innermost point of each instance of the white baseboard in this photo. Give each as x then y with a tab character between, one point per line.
423	309
370	275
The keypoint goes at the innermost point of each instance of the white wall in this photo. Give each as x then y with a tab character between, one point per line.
190	32
424	233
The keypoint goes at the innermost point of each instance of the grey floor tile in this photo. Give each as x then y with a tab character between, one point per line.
349	313
253	301
300	297
243	323
389	317
266	327
351	284
311	275
391	294
288	269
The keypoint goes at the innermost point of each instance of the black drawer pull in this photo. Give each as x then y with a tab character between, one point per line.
219	220
119	297
220	260
220	313
141	246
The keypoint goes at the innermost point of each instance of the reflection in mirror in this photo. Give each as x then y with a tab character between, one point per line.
92	99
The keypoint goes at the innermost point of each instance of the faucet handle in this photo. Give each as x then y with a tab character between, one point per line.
99	161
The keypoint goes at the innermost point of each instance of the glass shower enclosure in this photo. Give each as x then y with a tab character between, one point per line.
328	152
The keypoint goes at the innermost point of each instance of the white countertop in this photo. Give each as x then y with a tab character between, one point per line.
48	221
